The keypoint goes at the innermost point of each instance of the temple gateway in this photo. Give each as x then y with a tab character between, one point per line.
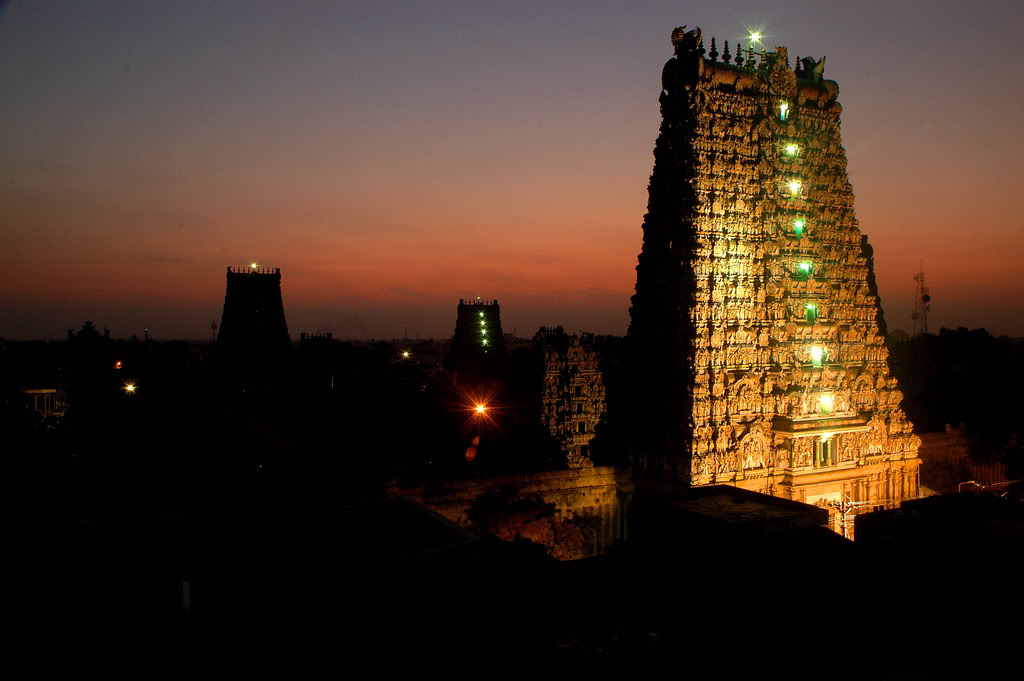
756	321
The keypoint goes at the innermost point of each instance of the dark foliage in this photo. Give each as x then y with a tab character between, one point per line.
963	376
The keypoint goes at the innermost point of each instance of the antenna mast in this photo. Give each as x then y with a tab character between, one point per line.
922	304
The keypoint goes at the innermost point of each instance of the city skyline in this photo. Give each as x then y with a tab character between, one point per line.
391	160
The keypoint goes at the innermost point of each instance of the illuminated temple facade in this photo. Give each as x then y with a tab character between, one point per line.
756	283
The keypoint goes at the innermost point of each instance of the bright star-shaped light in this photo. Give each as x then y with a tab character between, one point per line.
481	408
755	37
405	354
794	187
791	149
252	266
130	388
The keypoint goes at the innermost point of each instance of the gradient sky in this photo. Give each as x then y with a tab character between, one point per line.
392	157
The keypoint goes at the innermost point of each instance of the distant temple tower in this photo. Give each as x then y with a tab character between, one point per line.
573	401
478	342
253	315
756	328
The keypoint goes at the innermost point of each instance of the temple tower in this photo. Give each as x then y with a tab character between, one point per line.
573	401
756	321
478	343
253	317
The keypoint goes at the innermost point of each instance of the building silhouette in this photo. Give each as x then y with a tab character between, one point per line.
253	318
757	337
479	343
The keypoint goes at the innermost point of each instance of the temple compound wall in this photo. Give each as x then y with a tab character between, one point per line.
585	509
573	401
751	223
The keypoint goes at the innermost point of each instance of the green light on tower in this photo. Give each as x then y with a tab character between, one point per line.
794	188
817	355
792	150
804	268
783	111
811	311
798	227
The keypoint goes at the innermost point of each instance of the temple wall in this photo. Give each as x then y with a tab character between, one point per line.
602	494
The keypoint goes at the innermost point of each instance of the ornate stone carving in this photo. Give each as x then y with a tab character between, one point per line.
780	78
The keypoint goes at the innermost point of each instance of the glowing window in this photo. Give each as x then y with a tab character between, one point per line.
817	356
804	268
811	311
794	188
825	404
783	111
823	451
792	150
798	227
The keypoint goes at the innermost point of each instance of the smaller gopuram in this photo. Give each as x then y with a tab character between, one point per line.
573	400
253	317
478	343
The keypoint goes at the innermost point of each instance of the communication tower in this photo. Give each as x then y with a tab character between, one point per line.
922	304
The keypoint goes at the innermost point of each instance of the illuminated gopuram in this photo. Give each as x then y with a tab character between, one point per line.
479	343
755	289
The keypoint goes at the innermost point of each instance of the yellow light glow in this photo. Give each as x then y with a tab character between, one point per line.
755	37
130	388
252	266
816	354
825	437
405	353
481	315
826	404
794	187
792	149
481	408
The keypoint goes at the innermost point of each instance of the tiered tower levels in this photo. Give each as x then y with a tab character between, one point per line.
784	328
573	401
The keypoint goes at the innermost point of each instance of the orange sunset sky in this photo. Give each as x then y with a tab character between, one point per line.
392	158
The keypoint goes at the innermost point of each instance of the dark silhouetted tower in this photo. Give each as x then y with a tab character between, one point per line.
253	318
478	343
